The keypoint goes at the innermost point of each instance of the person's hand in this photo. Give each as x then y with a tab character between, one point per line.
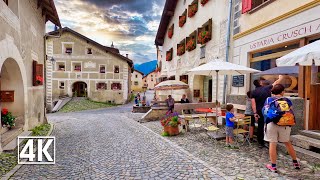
256	116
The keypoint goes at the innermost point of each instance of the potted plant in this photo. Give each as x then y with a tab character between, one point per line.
182	20
39	80
203	2
181	49
204	37
7	118
193	9
191	44
171	123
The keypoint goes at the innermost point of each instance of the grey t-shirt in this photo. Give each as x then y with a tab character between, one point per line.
248	110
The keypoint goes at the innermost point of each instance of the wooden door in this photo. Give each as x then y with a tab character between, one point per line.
314	118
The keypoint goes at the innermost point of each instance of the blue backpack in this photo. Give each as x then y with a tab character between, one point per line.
279	112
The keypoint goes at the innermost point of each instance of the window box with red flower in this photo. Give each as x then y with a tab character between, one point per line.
181	48
193	8
170	31
204	33
182	20
191	43
37	75
203	2
204	37
169	55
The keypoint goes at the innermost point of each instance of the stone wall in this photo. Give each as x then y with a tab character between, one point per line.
21	39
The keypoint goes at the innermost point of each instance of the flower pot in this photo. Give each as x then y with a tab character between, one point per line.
172	131
223	112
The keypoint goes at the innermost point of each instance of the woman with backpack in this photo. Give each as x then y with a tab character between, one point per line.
279	118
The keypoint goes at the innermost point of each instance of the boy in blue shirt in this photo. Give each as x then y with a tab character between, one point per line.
230	118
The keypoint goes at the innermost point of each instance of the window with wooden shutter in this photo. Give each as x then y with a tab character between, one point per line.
246	6
37	74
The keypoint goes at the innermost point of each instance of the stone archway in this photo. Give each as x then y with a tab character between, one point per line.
9	51
11	80
80	89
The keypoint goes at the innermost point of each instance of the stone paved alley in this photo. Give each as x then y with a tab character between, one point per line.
107	144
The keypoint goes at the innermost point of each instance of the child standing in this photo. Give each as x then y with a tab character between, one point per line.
249	112
230	118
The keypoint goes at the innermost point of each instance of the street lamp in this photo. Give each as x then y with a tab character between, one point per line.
52	60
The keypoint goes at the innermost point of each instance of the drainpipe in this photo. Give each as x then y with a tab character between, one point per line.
45	65
227	51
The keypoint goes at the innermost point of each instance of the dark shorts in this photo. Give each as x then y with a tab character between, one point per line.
253	120
229	131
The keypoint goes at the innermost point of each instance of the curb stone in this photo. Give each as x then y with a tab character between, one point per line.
18	166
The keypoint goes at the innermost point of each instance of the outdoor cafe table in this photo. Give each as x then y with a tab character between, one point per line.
208	110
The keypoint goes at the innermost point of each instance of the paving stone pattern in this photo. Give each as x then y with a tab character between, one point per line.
109	144
248	162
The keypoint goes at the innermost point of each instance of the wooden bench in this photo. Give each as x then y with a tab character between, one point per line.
161	103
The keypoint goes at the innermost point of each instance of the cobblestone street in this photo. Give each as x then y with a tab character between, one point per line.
107	144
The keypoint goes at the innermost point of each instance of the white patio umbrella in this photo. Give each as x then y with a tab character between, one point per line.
171	85
304	56
220	67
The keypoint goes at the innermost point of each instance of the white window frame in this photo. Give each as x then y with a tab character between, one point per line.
76	62
86	50
57	66
64	86
101	89
105	68
63	47
114	66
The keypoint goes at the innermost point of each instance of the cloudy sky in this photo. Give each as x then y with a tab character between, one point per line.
130	24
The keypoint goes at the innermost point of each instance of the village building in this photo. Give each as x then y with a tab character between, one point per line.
150	80
22	61
192	33
261	35
80	67
136	81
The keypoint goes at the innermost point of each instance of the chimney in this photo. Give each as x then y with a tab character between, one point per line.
127	55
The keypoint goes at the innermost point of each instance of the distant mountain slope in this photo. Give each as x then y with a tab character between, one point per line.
146	67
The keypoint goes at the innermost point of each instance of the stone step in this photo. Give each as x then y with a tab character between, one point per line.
306	142
8	136
302	154
11	146
311	133
3	130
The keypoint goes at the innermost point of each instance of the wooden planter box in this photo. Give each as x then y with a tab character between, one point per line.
172	131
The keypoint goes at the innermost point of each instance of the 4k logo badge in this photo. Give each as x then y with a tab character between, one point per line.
36	150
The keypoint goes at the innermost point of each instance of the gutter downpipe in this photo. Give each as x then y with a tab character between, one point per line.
45	67
227	52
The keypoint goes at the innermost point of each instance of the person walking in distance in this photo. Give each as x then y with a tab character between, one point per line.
258	97
170	104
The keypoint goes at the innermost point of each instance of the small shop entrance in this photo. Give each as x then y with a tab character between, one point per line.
79	89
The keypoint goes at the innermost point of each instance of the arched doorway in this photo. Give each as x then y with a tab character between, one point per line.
11	81
79	89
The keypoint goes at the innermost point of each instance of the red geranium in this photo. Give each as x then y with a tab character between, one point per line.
191	44
182	20
204	37
193	9
181	50
203	2
39	79
4	111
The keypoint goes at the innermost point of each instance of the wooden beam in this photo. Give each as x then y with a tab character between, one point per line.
169	13
271	56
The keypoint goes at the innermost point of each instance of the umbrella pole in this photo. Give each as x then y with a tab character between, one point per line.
217	81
